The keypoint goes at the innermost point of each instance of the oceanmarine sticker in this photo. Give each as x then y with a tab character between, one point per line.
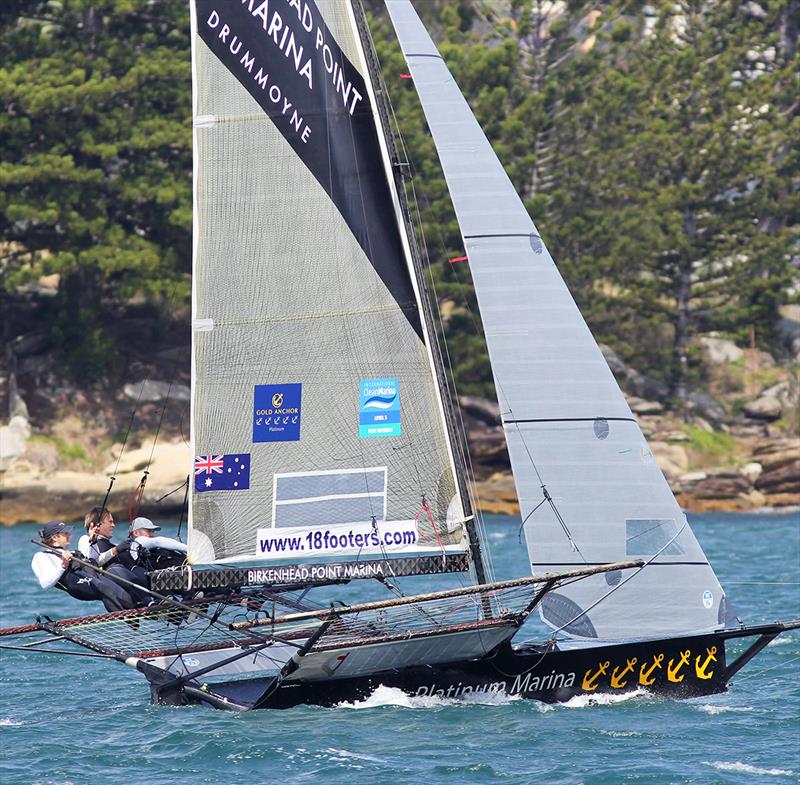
379	408
276	412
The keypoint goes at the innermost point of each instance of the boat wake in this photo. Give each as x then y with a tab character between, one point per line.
746	768
605	699
7	722
393	696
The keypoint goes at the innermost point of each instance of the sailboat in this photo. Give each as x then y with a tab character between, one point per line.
327	449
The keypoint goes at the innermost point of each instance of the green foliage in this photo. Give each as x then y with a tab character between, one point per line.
66	452
711	444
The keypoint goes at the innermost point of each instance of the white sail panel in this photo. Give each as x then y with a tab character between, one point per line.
303	301
588	487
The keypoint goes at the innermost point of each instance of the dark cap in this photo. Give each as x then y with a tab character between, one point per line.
53	528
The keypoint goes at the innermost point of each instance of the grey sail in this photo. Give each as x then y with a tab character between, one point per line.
317	423
589	489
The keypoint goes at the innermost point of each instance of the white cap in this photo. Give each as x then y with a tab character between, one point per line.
144	523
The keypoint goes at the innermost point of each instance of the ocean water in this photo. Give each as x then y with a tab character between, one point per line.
86	721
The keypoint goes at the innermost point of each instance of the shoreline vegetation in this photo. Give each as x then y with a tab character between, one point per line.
653	144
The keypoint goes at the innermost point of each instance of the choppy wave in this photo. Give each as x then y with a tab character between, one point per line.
710	709
746	768
7	722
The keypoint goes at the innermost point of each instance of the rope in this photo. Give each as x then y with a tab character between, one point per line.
765	670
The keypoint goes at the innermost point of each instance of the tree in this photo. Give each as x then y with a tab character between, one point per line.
95	182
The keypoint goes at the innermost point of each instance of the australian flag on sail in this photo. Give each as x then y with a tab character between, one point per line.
222	472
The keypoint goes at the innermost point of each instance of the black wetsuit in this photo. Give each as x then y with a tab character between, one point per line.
116	567
83	585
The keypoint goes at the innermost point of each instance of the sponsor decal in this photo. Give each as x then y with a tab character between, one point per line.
222	472
276	412
460	690
318	572
708	599
379	408
342	539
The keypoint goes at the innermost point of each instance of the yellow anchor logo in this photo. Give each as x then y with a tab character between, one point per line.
645	673
699	669
277	400
673	669
590	680
616	678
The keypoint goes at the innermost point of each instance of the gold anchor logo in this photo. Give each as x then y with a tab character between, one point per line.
590	681
277	400
645	673
699	669
672	669
616	678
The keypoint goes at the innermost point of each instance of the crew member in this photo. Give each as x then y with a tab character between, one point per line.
96	545
55	566
145	551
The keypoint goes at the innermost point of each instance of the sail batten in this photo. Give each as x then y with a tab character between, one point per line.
588	485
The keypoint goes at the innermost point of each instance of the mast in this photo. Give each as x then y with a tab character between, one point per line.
395	173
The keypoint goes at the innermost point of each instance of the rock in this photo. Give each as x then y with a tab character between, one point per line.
752	471
30	343
632	381
788	329
677	436
640	406
671	458
720	350
764	408
482	409
497	494
706	406
780	459
721	484
152	390
170	461
703	425
693	477
759	359
487	446
754	9
13	440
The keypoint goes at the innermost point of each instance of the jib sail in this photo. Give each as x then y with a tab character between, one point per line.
589	489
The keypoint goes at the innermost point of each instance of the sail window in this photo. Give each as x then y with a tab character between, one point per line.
329	497
648	536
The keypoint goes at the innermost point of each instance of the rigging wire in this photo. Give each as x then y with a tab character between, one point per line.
635	572
546	497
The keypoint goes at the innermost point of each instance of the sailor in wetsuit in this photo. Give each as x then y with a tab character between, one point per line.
96	545
56	567
144	551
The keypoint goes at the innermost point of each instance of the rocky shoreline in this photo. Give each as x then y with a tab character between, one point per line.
735	448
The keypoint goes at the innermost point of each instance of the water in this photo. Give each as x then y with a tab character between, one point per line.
86	722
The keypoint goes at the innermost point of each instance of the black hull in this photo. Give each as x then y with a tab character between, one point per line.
673	668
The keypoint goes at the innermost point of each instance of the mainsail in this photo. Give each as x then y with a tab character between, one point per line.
589	489
317	423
